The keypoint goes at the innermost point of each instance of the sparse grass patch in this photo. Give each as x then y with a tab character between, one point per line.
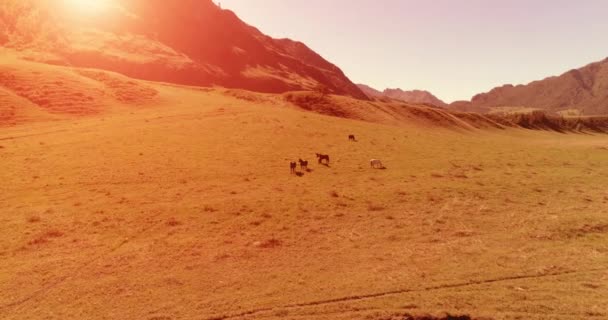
38	241
375	207
256	223
45	237
591	285
586	229
409	306
268	244
33	219
463	233
221	257
172	222
53	234
281	313
341	204
460	176
208	208
393	238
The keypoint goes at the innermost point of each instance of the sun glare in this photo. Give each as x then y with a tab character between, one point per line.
89	7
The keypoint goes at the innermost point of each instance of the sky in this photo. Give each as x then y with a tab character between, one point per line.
452	48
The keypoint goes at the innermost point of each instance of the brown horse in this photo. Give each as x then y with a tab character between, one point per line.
292	167
323	157
303	164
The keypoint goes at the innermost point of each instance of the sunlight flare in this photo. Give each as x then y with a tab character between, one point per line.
89	7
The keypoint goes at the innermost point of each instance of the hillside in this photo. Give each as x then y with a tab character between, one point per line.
33	92
584	89
184	42
413	96
369	91
38	92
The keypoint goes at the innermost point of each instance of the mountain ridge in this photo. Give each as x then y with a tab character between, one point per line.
413	96
584	89
186	42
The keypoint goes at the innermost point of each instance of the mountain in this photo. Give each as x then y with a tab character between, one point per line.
189	42
584	89
414	96
369	91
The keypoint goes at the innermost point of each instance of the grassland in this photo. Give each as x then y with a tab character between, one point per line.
185	209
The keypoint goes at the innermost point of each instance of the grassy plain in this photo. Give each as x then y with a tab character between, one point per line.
183	207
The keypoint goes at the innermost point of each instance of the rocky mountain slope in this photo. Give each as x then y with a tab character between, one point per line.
187	42
414	96
584	89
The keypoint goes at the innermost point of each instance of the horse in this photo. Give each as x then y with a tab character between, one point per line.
303	164
375	163
322	157
292	167
351	137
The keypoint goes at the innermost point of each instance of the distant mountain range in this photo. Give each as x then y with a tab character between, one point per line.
414	96
190	42
584	89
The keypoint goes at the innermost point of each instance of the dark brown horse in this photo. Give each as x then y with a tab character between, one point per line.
292	167
323	157
351	137
303	164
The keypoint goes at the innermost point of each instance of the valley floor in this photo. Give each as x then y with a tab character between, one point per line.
190	212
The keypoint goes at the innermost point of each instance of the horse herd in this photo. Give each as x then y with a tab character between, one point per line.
324	159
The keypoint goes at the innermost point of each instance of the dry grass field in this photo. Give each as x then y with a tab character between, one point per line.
184	208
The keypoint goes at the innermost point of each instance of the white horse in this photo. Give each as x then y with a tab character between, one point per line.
375	163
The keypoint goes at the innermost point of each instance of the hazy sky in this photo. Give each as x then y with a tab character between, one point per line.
453	48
